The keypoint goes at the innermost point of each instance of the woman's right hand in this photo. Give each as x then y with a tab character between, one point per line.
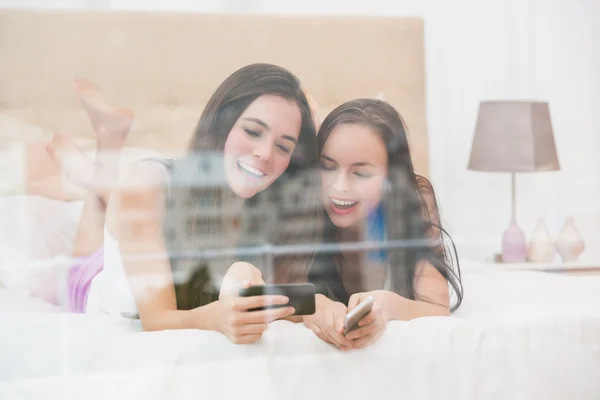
232	318
328	322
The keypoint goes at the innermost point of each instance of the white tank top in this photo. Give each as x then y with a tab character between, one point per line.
110	292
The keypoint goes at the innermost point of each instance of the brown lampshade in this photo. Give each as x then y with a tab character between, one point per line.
513	136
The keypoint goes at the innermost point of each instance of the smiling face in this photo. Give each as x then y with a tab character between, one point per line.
260	144
354	169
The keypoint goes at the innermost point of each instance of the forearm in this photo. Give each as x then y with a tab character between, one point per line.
403	309
200	318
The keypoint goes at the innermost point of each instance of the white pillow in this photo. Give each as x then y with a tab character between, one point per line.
15	302
36	237
36	228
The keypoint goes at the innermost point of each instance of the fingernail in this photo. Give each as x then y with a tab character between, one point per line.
283	299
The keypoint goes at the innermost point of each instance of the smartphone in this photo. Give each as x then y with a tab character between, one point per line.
301	295
357	313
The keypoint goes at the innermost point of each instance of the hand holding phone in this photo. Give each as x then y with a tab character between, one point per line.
358	313
231	316
327	323
301	296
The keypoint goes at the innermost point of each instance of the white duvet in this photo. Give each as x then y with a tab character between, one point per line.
519	335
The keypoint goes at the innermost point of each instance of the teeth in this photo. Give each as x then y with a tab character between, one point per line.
251	170
342	202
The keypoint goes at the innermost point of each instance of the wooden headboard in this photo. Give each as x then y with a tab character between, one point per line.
165	66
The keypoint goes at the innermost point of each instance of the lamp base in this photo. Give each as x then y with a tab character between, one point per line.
514	245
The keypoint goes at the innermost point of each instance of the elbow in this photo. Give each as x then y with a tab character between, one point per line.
153	322
150	325
425	308
444	312
439	310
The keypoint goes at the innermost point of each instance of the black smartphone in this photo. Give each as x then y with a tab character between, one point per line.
301	295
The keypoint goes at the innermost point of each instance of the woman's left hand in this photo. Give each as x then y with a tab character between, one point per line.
372	326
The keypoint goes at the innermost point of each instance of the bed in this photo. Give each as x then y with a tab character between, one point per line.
518	334
500	345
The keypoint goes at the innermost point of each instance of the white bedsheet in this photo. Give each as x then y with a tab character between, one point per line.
519	335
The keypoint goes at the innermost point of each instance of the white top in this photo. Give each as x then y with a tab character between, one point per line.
110	291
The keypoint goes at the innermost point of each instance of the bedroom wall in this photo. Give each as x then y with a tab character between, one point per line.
525	49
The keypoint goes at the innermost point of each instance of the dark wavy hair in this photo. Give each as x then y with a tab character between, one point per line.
409	208
199	217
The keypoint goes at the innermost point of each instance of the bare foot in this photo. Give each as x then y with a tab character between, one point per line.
112	124
75	167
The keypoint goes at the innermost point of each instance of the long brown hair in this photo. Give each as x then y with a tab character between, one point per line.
409	204
201	220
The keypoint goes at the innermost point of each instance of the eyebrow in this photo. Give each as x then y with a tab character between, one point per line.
357	164
328	158
289	138
258	121
264	125
363	164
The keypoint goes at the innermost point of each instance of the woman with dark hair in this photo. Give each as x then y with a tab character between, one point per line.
255	142
370	192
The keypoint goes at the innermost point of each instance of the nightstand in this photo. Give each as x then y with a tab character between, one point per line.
570	268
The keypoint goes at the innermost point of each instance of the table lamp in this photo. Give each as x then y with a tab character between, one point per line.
513	136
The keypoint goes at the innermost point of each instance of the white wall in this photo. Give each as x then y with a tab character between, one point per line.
519	49
45	4
527	49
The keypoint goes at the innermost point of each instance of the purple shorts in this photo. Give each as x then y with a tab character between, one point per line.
80	279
